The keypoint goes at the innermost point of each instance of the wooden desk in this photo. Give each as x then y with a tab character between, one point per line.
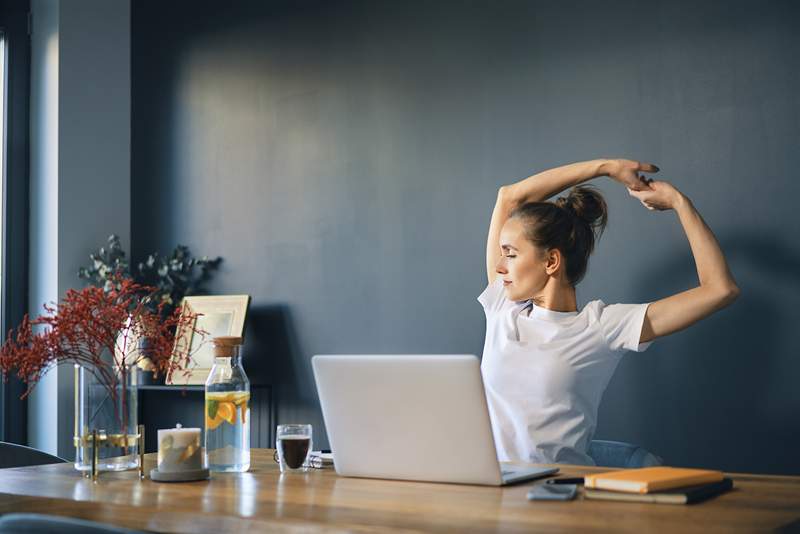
320	501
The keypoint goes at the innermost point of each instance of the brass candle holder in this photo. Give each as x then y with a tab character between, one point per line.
141	452
95	453
99	439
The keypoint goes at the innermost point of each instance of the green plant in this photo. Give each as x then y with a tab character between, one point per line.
108	264
173	277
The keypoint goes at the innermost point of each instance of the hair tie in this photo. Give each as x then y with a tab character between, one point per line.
565	204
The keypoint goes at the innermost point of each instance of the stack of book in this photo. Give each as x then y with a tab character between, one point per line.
321	459
668	485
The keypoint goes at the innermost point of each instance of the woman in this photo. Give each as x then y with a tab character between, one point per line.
545	363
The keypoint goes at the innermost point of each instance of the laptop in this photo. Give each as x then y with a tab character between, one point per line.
411	417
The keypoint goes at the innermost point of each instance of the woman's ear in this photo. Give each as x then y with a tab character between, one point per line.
553	261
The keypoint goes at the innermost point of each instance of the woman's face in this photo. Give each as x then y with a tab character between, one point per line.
521	265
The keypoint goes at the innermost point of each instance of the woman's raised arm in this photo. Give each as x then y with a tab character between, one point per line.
717	287
551	182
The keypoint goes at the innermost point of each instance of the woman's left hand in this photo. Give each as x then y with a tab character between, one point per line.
657	195
626	172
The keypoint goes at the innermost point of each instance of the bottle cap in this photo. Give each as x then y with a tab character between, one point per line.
224	345
228	340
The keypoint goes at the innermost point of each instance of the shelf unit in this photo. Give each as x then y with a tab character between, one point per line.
163	406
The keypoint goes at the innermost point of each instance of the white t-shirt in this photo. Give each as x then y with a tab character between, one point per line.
545	372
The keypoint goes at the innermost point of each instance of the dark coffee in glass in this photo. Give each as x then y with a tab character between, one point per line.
294	444
294	450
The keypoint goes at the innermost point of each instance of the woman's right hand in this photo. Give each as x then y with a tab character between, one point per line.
626	172
657	195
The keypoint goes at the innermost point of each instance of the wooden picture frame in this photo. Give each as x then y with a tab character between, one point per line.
218	315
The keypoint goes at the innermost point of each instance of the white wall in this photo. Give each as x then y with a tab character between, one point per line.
80	168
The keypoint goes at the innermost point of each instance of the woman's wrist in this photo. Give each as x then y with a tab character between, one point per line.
681	202
593	168
605	166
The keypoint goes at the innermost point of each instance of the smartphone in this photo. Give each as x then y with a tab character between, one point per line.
553	492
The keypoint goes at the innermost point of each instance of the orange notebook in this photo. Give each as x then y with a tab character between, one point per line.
649	479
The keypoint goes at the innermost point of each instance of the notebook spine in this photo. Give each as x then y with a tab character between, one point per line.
706	492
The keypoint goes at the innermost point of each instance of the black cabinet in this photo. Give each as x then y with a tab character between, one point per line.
164	406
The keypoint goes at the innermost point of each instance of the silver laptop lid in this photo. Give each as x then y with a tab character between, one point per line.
410	417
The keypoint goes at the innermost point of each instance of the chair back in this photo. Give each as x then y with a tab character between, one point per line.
47	524
620	454
13	455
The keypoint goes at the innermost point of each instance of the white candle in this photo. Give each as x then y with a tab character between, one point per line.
179	450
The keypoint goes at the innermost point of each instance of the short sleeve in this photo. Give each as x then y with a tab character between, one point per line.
622	326
493	297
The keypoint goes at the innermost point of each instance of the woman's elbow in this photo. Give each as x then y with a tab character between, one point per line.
728	294
734	292
504	194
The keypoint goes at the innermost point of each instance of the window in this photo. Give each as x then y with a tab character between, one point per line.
2	171
3	393
15	50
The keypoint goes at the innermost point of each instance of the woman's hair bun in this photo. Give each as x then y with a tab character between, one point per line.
588	204
569	224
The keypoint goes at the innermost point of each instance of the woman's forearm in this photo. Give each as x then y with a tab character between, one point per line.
712	269
551	182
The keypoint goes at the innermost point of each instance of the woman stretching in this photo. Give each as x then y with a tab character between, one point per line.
545	363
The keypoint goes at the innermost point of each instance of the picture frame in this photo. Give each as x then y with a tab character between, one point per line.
218	315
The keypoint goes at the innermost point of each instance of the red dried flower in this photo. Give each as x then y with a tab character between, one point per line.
93	328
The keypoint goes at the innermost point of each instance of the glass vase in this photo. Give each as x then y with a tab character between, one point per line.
108	406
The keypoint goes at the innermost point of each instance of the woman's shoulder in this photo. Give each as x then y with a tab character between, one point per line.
599	311
593	308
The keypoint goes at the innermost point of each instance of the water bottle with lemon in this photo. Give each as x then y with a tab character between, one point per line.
227	409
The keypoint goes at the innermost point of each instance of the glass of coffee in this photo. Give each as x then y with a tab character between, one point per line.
294	447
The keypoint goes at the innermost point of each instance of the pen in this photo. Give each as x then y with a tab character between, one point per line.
577	480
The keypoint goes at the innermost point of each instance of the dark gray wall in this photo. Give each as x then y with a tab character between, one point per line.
344	157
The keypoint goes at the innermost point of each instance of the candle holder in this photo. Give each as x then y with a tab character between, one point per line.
141	451
180	456
97	439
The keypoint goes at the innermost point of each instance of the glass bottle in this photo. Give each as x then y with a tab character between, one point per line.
227	409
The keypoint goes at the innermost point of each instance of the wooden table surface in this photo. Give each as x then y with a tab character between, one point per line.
321	501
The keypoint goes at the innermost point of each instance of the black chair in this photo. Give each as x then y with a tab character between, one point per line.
13	455
621	454
47	524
